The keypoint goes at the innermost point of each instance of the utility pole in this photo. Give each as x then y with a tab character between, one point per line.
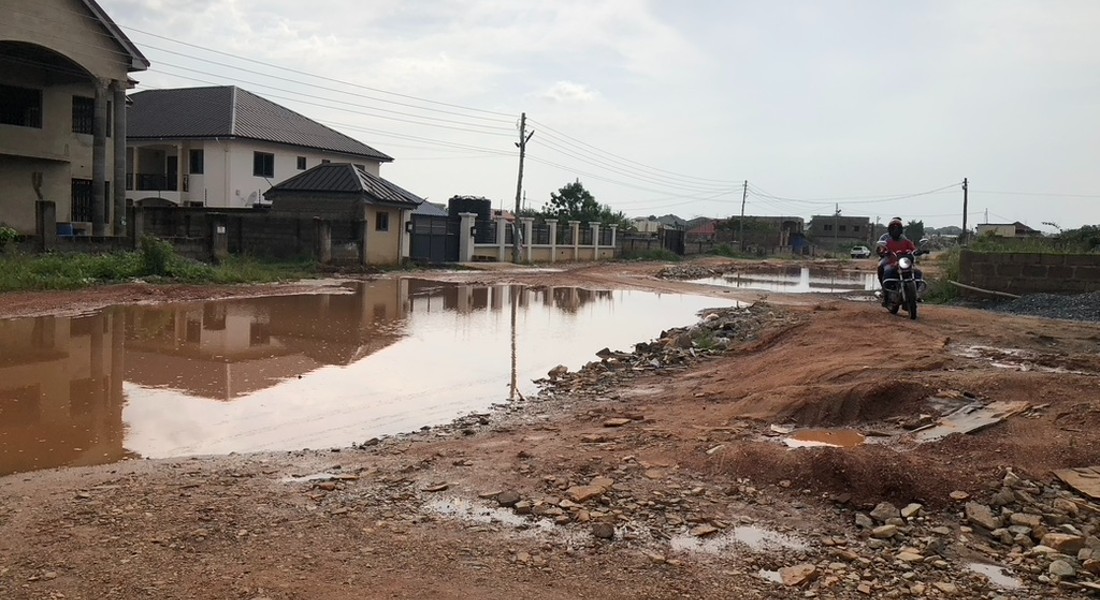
741	223
836	228
524	137
965	199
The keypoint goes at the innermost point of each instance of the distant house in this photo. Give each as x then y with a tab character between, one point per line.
652	225
223	147
1008	230
349	194
64	72
701	228
839	231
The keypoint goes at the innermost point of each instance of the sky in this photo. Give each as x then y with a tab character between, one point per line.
878	108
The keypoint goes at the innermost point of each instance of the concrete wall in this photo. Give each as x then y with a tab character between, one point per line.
384	247
68	28
227	180
1028	273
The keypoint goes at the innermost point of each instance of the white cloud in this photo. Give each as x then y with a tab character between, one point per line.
568	92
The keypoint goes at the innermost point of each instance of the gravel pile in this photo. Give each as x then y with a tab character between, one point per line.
1081	307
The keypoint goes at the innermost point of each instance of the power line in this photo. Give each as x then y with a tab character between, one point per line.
758	191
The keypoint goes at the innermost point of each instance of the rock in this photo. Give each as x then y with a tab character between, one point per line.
1025	520
884	512
909	556
1062	569
656	557
1068	507
1063	542
864	588
884	532
959	495
911	511
595	438
941	530
595	488
1003	498
437	487
1023	540
946	587
1092	566
864	521
616	422
327	486
48	575
703	530
604	531
508	498
557	372
523	507
982	516
798	575
918	589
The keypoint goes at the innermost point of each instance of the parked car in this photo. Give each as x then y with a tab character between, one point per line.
861	252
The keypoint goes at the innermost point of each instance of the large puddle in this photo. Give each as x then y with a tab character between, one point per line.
292	372
796	280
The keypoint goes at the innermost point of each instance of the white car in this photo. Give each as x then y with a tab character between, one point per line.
861	252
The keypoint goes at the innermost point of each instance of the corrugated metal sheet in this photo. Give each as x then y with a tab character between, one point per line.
228	111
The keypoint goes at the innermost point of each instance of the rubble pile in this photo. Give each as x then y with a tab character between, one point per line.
681	272
717	332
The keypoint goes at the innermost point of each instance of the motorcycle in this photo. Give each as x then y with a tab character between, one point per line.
903	286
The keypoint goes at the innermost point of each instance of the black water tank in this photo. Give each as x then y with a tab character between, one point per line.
482	207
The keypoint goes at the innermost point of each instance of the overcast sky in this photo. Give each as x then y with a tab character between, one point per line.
666	107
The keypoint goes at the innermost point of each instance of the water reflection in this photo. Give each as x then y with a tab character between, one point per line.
295	371
797	280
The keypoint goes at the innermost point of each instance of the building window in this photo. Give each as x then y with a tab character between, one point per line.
301	163
83	114
844	228
263	164
196	162
20	106
382	221
855	228
828	228
82	200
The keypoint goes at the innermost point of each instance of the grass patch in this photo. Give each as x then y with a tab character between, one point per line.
939	290
157	261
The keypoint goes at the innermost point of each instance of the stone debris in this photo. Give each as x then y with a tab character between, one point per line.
798	575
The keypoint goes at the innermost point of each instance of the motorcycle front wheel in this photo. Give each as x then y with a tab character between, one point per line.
911	299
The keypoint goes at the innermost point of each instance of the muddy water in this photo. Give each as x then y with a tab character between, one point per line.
797	280
835	438
283	373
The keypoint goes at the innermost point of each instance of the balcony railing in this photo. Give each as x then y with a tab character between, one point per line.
152	182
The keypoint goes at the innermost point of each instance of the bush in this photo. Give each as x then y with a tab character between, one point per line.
156	254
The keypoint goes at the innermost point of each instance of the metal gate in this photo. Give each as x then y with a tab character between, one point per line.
673	240
434	239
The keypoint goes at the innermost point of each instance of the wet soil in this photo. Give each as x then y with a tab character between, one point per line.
686	449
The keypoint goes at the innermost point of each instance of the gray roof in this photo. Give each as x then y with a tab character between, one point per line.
230	112
138	62
431	209
345	178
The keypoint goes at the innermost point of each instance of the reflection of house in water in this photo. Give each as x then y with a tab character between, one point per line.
224	350
427	296
60	391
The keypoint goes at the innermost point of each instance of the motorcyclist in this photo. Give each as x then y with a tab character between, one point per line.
892	243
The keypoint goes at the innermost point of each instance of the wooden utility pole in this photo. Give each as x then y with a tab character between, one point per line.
524	137
965	184
741	223
836	228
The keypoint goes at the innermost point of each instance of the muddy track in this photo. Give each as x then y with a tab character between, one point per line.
670	460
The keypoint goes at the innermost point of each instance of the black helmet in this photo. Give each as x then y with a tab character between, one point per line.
895	228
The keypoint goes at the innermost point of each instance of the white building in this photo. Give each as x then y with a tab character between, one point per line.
224	147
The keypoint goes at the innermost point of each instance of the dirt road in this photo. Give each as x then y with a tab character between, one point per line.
658	474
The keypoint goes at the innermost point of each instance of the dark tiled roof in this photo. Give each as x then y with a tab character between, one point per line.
431	210
228	111
345	178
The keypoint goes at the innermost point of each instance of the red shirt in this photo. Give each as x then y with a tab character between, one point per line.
902	245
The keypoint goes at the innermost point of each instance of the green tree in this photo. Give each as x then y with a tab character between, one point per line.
574	203
914	230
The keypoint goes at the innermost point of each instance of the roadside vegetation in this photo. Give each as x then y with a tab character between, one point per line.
155	262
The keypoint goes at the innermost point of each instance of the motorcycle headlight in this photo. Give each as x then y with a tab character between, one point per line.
905	262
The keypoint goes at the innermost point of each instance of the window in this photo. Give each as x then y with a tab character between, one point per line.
828	228
855	228
301	163
83	114
82	200
382	221
844	228
263	164
196	162
20	106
